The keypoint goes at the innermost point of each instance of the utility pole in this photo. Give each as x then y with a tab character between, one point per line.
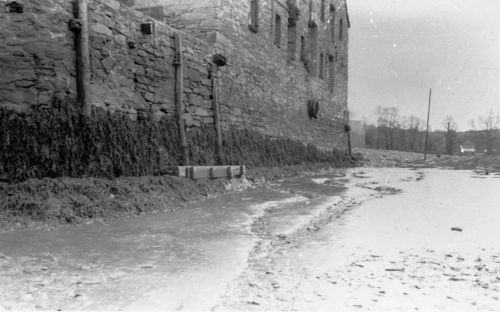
427	131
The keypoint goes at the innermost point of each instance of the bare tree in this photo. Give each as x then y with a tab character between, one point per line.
380	123
414	129
489	127
393	122
403	133
451	133
387	124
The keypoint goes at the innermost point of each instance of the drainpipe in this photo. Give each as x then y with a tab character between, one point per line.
80	26
219	61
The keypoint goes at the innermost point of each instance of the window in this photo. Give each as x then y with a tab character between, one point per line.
303	56
277	30
313	50
254	16
310	10
341	29
321	65
322	10
292	42
332	22
331	73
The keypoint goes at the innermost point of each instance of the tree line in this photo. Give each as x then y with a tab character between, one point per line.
394	131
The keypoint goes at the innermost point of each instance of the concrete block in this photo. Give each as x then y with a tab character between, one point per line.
206	172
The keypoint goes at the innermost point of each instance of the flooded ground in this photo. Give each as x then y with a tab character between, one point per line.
359	239
432	247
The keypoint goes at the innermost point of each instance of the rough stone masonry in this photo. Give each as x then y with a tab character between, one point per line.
280	54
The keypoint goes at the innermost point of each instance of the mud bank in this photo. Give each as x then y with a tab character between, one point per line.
49	203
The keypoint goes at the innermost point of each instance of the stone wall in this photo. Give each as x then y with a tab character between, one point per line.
134	73
198	18
275	82
131	72
267	84
37	57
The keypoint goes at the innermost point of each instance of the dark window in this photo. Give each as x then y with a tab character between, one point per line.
303	56
332	23
331	73
313	51
341	29
310	10
321	65
277	30
292	42
322	10
254	16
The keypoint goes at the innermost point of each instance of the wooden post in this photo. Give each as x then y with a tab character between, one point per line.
83	58
218	130
427	131
179	96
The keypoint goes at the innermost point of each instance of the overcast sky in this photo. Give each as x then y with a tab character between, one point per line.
401	48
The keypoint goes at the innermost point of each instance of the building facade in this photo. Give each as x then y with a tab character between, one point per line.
281	54
285	76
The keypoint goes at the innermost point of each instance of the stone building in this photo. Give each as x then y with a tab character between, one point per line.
281	54
281	57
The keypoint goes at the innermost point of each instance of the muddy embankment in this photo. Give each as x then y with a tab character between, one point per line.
47	203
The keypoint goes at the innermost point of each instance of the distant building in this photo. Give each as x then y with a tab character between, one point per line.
357	133
467	148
